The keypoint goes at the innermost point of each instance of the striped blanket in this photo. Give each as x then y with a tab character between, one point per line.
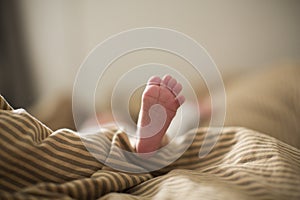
38	163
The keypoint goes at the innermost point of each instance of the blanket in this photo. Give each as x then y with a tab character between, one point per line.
38	163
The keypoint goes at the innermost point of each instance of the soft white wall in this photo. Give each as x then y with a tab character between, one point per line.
238	34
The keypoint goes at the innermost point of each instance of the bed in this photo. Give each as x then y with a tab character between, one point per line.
39	163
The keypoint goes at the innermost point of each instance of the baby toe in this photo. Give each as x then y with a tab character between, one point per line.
177	89
172	82
154	80
166	80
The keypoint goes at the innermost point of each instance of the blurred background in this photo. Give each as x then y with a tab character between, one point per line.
44	42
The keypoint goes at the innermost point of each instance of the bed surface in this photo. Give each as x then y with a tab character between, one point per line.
39	163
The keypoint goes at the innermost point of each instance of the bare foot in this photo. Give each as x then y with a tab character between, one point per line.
160	102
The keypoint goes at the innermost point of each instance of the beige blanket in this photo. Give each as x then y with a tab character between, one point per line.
37	163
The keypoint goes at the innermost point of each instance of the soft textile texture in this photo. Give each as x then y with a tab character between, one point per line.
39	163
268	102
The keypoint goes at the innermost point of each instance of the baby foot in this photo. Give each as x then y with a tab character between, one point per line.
160	102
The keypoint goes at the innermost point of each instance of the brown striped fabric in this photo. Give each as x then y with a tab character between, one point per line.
38	163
